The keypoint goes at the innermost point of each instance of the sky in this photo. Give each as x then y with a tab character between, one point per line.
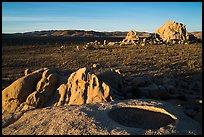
98	16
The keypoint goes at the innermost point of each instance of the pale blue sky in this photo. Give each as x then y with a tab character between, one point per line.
98	16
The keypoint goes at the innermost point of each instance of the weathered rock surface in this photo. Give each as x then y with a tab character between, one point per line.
45	87
84	87
131	38
127	117
18	91
173	32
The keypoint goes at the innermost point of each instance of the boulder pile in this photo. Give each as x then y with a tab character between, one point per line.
98	45
131	38
94	45
170	32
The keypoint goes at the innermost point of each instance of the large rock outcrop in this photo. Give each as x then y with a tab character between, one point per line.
173	32
48	87
84	87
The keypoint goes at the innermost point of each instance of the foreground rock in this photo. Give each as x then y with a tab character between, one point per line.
18	91
48	87
135	117
84	87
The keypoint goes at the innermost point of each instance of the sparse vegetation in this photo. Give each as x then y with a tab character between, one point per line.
132	60
170	72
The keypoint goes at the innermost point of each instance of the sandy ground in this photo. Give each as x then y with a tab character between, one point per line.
94	119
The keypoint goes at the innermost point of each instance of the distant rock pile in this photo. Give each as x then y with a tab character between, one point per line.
98	45
131	39
173	32
94	45
48	87
169	33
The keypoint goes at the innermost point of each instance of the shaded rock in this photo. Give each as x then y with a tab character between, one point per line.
131	92
140	81
182	84
34	100
170	88
195	85
190	112
168	81
9	118
149	91
176	102
198	118
113	78
46	89
153	91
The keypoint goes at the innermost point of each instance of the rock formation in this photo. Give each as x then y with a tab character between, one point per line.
173	32
18	91
48	87
131	38
84	87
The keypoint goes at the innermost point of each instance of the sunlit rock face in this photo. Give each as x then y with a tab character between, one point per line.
172	31
131	38
47	87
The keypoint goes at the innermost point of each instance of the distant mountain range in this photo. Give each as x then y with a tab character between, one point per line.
74	33
83	33
197	34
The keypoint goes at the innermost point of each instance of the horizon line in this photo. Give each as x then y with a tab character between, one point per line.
83	30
